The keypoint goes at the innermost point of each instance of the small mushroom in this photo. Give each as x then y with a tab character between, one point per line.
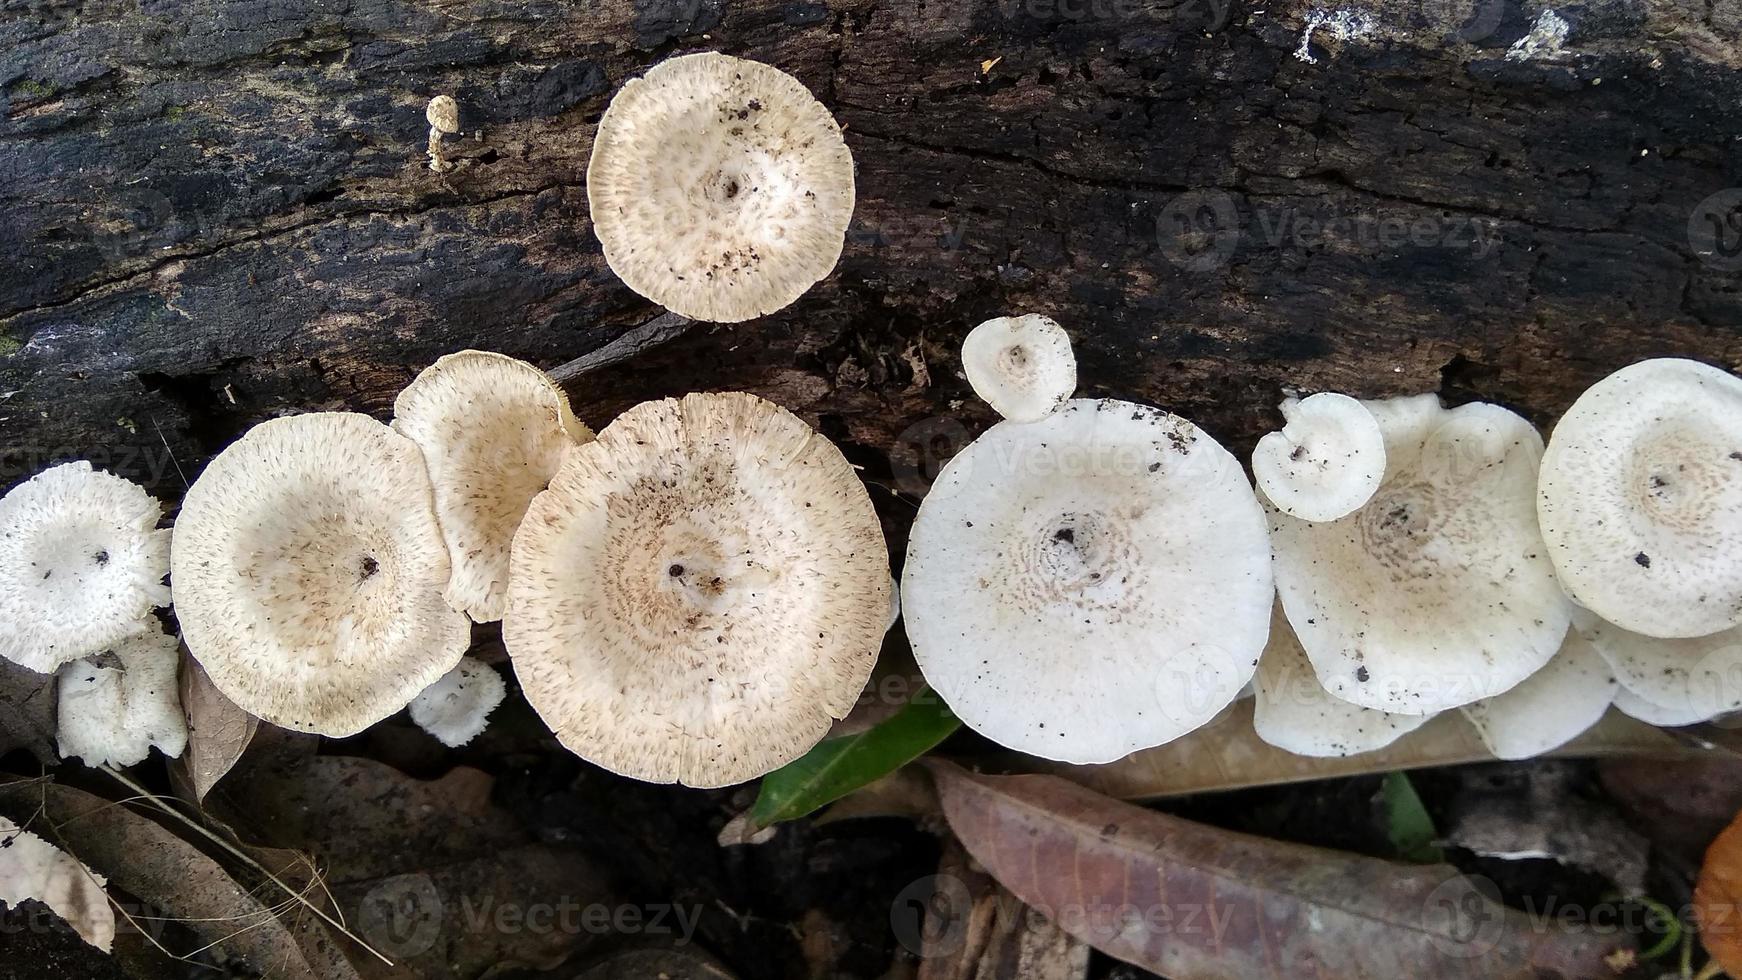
1326	461
720	188
1693	679
457	707
1294	712
493	431
1550	707
443	116
1641	499
1437	592
82	563
113	708
1090	584
701	592
31	867
1022	366
309	567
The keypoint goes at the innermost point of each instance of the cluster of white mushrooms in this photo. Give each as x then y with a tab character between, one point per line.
698	591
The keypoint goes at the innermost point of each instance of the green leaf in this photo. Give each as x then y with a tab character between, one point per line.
1407	822
838	766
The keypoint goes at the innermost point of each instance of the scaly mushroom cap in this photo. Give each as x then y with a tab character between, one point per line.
493	431
456	708
308	570
1090	584
1688	679
1437	592
31	867
720	188
115	706
1327	460
1022	366
1294	712
699	594
1641	498
82	563
1550	707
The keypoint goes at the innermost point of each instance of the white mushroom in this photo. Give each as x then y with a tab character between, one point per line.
1294	712
1634	706
82	563
31	867
493	431
720	188
1326	461
308	569
1550	707
1689	679
1436	593
1022	366
1641	499
701	592
457	707
1090	584
114	707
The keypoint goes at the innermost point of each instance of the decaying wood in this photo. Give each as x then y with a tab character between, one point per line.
207	226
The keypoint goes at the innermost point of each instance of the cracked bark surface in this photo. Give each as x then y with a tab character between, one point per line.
218	211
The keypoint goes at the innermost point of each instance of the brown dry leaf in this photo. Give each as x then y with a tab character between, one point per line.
1681	806
991	934
906	792
1718	899
1228	754
1194	902
218	730
27	712
143	858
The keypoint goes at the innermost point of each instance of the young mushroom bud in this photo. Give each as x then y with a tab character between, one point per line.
1327	460
115	707
493	431
1022	366
720	188
309	567
1437	591
456	708
1090	584
1641	499
443	115
1294	712
701	592
1550	707
82	563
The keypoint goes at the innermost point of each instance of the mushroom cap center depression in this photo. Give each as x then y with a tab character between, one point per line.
327	582
1400	526
1680	476
1082	557
73	561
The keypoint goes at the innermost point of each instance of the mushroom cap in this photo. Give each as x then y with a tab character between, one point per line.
1549	708
308	569
1693	678
1294	712
493	431
1022	366
701	592
1641	498
1437	592
82	563
1636	707
457	707
1090	584
31	867
1325	462
114	708
720	188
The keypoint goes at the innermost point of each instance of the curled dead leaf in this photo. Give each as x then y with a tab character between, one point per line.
218	730
1718	899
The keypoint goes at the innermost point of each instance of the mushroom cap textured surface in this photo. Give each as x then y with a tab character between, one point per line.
31	867
1325	462
1549	708
82	563
1691	678
1022	366
493	431
456	708
1294	712
1641	498
1090	584
720	188
701	592
1437	592
308	568
114	707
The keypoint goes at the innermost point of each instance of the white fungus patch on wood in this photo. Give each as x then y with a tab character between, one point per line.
1547	38
1342	24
